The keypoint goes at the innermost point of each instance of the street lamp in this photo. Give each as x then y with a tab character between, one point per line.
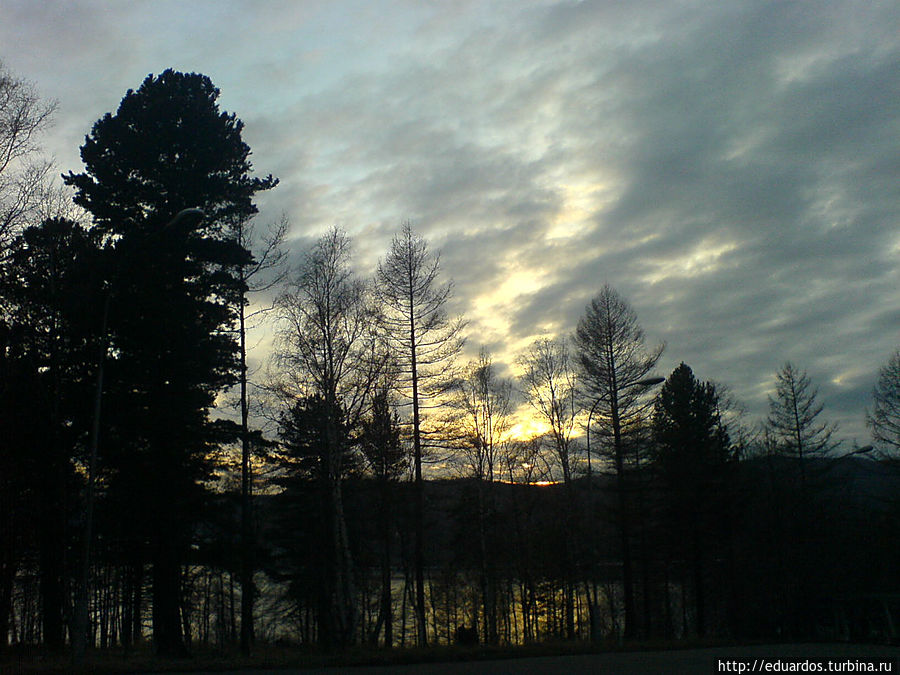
184	217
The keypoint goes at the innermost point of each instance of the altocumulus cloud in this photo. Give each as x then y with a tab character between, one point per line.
731	167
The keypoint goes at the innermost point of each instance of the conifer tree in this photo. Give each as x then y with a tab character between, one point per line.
793	424
692	451
884	420
48	282
172	294
798	443
615	363
388	459
424	341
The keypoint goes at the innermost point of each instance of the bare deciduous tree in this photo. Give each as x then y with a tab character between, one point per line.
549	384
483	408
614	364
326	350
424	341
24	184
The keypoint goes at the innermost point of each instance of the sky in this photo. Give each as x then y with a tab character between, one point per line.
731	168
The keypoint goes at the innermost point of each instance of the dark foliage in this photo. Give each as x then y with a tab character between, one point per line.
692	458
47	283
171	293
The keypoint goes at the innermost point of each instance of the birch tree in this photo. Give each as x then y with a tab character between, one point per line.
326	351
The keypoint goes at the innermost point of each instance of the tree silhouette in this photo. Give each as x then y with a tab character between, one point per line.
166	148
692	451
884	420
614	364
424	341
258	274
23	179
797	443
483	408
316	452
47	284
549	383
793	423
388	460
327	349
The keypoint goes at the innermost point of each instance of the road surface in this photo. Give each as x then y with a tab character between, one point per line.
767	658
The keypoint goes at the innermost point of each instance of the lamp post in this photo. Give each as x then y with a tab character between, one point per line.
81	624
624	530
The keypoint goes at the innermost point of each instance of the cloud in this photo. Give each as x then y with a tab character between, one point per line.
730	167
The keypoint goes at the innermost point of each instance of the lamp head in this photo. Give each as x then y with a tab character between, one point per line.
186	218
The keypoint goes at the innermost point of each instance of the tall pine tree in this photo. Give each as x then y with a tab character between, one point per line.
171	294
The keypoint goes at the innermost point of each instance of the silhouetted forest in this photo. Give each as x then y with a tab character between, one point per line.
369	485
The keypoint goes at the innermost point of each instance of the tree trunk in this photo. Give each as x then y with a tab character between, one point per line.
51	576
167	632
137	625
386	597
624	527
699	595
7	574
247	543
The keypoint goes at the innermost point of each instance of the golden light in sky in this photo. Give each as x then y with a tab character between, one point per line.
527	427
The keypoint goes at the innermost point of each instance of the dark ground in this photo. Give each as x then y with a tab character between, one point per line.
766	658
